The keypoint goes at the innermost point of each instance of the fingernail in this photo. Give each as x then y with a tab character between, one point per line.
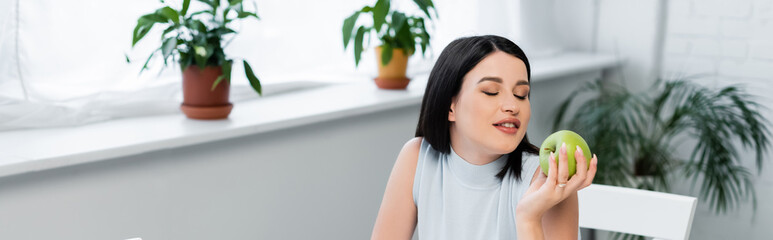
551	155
578	148
563	148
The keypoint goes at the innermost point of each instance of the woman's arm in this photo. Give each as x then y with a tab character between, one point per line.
397	216
549	207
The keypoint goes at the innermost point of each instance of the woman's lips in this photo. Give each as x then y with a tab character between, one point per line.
507	130
508	125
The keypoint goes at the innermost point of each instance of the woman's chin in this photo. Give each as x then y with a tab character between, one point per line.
504	147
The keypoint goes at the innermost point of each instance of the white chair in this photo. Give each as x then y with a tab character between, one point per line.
634	211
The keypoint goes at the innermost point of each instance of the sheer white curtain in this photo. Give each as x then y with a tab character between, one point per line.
62	62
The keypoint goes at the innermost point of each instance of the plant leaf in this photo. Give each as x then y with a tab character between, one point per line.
423	6
380	11
211	3
168	30
223	31
154	17
348	27
405	40
198	26
217	81
199	12
144	24
254	82
358	45
186	4
386	54
245	14
145	66
168	46
225	75
170	14
398	20
140	31
200	56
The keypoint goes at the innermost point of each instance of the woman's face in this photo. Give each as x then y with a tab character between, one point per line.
492	110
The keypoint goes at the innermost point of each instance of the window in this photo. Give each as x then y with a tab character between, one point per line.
64	63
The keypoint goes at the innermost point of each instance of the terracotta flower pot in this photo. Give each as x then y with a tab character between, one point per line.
199	100
392	75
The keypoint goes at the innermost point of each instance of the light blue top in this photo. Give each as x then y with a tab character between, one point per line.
459	200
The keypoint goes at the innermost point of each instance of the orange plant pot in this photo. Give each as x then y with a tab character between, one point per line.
392	75
199	100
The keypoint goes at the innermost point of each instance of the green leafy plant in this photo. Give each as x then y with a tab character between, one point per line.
638	133
197	39
395	29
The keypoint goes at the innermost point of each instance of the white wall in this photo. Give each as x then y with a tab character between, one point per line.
732	41
630	29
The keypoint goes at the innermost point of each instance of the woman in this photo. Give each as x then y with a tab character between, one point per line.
471	172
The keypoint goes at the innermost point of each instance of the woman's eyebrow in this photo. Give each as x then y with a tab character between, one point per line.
499	80
493	79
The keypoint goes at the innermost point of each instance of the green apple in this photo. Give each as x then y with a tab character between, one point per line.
553	144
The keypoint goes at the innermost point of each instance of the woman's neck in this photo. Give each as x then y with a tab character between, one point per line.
471	153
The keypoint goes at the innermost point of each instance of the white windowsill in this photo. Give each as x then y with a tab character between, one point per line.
33	150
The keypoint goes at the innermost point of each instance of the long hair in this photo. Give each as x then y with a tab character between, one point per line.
445	82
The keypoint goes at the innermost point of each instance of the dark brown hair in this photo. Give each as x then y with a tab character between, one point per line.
445	82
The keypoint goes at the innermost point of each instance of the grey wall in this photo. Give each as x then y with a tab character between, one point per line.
546	95
322	181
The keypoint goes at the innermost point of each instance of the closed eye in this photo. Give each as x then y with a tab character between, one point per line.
490	93
519	97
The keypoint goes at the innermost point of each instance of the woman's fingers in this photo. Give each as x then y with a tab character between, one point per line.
578	179
550	182
591	171
563	166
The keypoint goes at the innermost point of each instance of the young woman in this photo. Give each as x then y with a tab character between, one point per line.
471	172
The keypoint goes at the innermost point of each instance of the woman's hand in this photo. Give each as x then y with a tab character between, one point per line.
547	191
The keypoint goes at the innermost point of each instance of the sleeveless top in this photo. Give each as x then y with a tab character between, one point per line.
459	200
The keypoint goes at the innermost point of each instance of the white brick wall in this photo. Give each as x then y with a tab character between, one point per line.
724	38
732	42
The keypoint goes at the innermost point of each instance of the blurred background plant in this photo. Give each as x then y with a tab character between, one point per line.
637	135
197	39
395	29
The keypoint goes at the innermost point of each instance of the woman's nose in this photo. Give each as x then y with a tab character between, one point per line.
510	106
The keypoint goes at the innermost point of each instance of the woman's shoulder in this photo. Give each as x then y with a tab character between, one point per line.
412	146
409	156
405	166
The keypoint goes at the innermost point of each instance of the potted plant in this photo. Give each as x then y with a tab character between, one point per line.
196	41
399	34
638	134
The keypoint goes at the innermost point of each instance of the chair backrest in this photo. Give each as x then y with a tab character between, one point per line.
653	214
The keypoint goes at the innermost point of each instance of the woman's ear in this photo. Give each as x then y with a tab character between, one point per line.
451	112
